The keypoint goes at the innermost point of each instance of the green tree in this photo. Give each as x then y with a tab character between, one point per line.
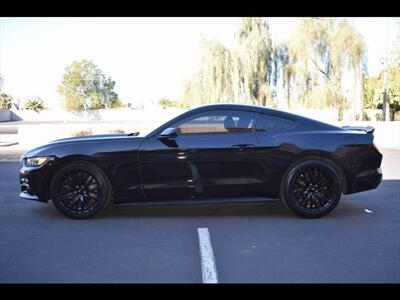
216	78
322	49
373	92
256	53
5	101
287	68
242	74
85	87
374	89
310	65
35	103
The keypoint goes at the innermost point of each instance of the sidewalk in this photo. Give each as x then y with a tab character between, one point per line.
11	154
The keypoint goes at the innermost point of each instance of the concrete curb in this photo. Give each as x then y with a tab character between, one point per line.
8	144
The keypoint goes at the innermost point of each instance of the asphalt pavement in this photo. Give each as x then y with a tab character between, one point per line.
359	242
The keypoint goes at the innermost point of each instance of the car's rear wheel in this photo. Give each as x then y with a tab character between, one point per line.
80	190
311	188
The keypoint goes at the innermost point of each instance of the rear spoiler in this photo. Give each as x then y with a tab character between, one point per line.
367	129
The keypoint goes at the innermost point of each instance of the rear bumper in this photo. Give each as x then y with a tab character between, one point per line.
367	180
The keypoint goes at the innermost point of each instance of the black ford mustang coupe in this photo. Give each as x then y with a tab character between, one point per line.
214	153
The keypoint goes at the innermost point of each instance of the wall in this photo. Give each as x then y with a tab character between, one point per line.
387	134
107	115
5	115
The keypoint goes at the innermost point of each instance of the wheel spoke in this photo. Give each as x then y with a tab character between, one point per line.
79	190
314	188
87	179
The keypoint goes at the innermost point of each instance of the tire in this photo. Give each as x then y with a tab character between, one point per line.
311	188
80	190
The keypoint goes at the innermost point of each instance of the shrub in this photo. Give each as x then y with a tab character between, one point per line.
111	131
168	102
117	104
82	132
35	104
378	116
5	101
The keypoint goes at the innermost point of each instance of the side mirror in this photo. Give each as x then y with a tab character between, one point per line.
168	133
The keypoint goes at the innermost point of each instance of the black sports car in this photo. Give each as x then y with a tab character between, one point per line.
214	153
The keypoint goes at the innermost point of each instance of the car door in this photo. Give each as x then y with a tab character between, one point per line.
275	150
214	154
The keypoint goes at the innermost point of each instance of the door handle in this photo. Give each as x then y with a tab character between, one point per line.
242	147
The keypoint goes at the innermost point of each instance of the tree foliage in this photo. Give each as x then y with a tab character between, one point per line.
85	87
374	89
5	101
321	49
241	74
309	66
373	93
255	51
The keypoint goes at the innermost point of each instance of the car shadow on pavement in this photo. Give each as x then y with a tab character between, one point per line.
270	209
349	206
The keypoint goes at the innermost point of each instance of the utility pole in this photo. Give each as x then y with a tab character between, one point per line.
362	96
385	106
355	102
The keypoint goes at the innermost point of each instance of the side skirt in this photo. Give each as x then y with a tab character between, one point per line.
200	201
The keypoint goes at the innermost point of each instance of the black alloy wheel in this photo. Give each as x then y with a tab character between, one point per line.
311	188
80	190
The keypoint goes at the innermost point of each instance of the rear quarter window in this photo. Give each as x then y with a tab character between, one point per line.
273	123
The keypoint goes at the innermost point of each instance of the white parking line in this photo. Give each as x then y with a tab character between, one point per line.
208	266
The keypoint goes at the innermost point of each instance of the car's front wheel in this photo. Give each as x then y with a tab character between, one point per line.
80	190
311	188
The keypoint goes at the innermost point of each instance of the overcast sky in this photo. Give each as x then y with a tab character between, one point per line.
147	57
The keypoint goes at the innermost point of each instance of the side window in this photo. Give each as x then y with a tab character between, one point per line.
224	121
269	123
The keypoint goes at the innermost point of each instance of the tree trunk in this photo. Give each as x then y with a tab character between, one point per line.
340	113
288	94
362	96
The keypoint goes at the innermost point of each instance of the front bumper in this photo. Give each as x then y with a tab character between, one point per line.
34	183
26	195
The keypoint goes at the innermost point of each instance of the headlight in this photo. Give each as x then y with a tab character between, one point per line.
36	161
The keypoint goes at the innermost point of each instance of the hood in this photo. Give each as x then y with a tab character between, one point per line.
92	137
83	145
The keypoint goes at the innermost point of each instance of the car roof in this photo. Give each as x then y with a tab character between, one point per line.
253	108
265	110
